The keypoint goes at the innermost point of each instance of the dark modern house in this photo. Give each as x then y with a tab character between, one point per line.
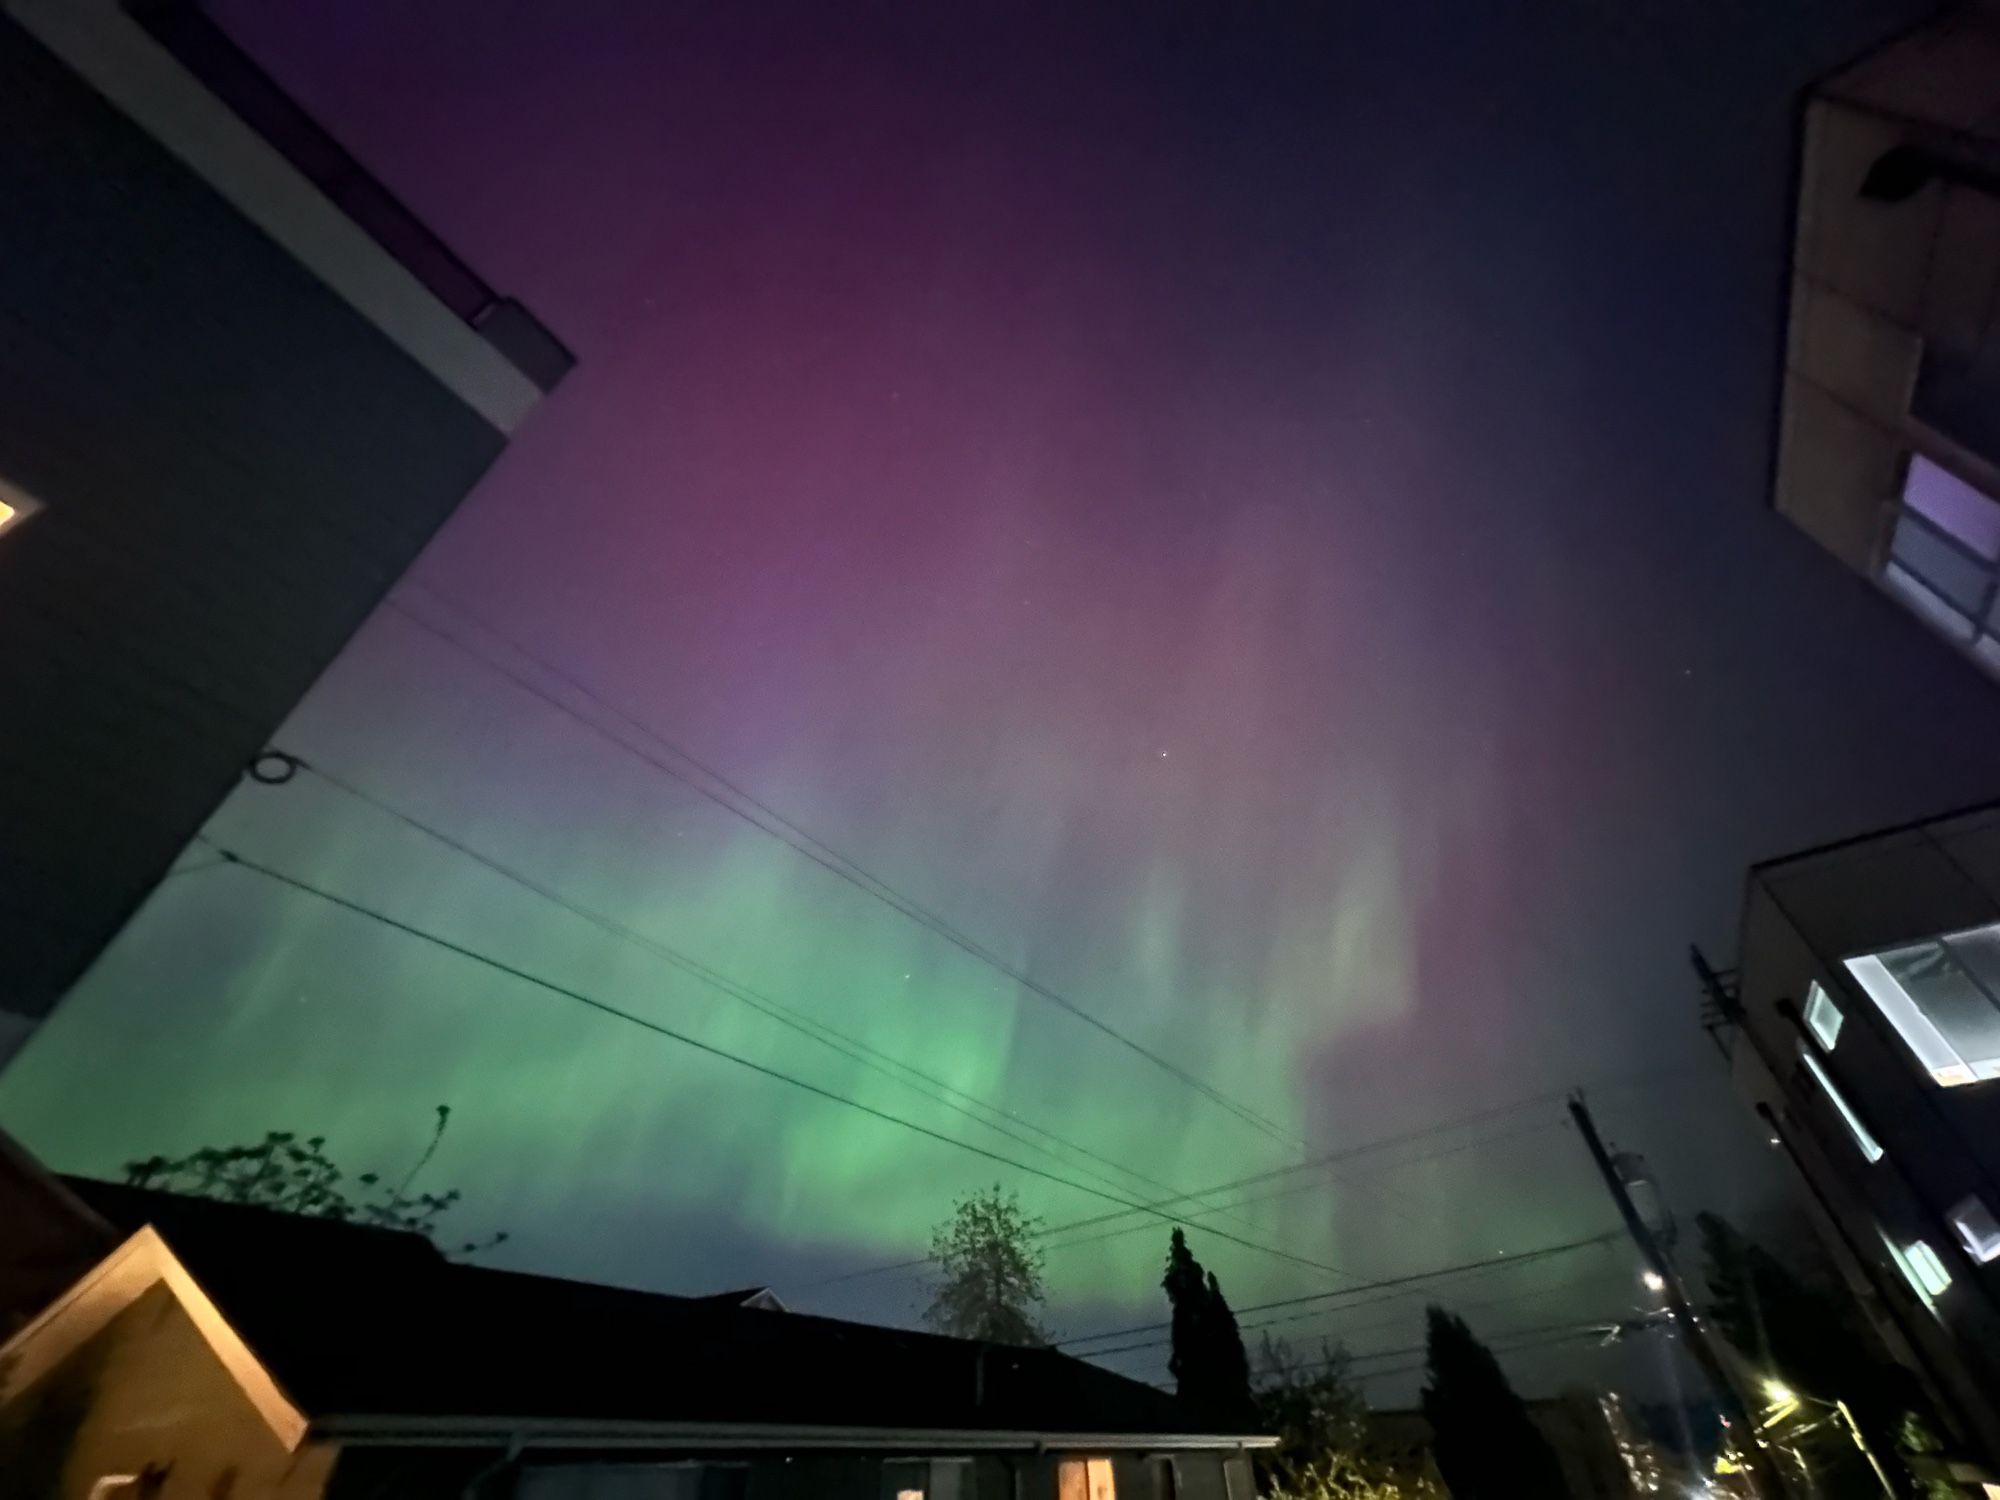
211	1349
1862	1027
240	388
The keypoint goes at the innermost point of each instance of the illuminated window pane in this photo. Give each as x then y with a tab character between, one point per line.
1977	1229
1940	997
1085	1479
1822	1016
1870	1150
1927	602
1926	1269
15	507
1921	1269
1954	506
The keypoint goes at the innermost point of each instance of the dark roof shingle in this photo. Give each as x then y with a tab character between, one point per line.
362	1321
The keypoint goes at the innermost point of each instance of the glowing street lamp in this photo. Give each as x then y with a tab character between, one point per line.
1653	1282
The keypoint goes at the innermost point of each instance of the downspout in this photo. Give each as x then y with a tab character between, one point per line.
507	1459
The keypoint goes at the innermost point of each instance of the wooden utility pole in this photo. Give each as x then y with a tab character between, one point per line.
1762	1471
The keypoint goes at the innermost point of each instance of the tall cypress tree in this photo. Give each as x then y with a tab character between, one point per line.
1487	1446
1208	1364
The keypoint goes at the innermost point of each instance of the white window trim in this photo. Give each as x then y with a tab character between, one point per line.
1947	1067
1870	1148
1981	1243
1823	1016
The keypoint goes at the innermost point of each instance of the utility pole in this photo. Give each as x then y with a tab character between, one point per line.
1755	1454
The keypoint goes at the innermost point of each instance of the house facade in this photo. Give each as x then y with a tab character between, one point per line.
243	386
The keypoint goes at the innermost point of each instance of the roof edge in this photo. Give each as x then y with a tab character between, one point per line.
117	1281
389	1431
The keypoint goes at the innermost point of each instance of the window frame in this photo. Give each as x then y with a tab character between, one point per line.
1975	632
1981	1243
1820	1004
1934	1051
1864	1139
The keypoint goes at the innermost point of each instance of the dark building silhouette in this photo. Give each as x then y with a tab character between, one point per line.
240	388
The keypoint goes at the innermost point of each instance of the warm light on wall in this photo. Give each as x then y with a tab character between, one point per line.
1085	1479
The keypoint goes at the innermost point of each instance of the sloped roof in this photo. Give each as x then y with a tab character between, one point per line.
355	1321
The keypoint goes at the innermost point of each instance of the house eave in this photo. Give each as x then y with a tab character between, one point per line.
367	1431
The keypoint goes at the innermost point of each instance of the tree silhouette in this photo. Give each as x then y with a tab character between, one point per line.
1208	1364
989	1271
297	1176
1487	1447
1325	1450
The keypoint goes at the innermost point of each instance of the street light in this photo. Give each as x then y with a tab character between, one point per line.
1653	1282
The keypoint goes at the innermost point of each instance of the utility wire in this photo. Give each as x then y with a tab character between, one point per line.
1499	1345
270	872
776	825
1572	1326
1317	1164
1371	1180
1521	1258
1511	1299
856	1050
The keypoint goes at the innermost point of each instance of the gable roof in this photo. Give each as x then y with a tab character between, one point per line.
373	1330
747	1296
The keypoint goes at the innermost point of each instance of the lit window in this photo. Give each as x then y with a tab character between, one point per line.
1085	1479
1870	1150
1941	998
1945	555
15	507
1922	1269
1977	1229
1822	1016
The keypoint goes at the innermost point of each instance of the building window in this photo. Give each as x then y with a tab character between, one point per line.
1870	1150
1977	1229
1822	1016
1922	1269
1085	1479
1943	998
1944	559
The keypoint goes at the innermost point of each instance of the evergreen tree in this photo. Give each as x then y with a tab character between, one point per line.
1208	1364
1486	1445
989	1272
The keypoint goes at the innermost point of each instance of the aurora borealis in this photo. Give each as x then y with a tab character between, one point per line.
1260	521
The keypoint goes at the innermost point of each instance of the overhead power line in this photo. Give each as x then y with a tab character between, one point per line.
851	1047
1614	1325
1317	1164
605	1007
1520	1258
774	824
1499	1344
1566	1288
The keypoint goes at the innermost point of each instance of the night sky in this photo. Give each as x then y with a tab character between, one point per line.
1257	514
